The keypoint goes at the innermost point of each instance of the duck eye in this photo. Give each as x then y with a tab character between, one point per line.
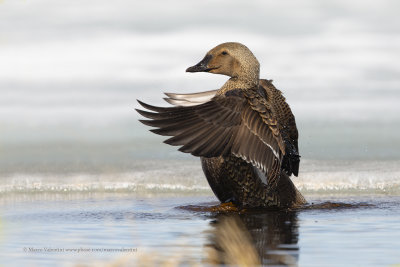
224	53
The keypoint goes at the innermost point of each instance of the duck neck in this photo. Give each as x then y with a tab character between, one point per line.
238	83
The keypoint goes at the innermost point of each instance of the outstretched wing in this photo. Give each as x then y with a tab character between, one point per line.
287	126
282	113
222	126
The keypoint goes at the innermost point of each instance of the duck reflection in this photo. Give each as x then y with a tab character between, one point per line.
254	239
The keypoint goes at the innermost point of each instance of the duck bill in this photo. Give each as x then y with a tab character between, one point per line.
202	66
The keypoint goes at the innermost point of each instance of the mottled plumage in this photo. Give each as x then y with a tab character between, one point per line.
245	132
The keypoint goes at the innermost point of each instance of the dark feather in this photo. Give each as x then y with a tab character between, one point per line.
287	126
223	125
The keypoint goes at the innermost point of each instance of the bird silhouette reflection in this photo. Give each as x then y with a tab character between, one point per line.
268	238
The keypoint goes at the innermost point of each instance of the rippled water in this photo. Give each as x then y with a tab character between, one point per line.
158	227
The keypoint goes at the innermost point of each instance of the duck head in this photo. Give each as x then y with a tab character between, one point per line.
232	59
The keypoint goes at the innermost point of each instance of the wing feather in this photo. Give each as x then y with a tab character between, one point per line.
287	125
201	95
223	125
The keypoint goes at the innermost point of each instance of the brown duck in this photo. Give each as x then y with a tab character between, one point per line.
244	133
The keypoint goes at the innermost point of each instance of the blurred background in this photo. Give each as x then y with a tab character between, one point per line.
70	74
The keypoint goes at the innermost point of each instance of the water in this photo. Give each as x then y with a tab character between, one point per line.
147	212
152	225
77	169
185	176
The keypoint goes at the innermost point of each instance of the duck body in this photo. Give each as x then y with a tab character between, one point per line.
244	133
232	179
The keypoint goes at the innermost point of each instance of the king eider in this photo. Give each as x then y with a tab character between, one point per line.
244	133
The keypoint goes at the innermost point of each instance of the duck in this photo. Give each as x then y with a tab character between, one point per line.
244	133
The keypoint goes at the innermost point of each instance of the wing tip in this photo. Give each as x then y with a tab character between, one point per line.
150	107
146	114
169	100
170	95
